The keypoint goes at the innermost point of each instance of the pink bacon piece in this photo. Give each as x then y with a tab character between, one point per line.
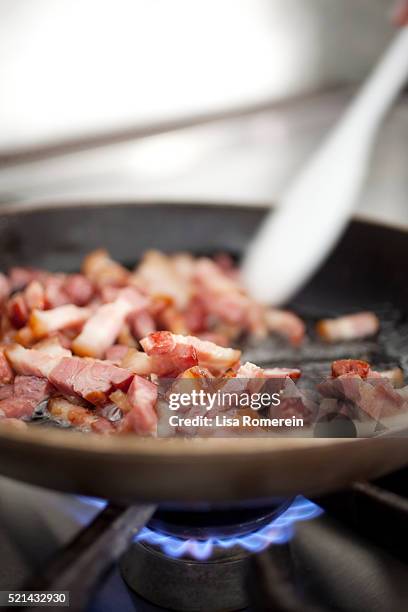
79	289
223	297
208	355
349	327
142	417
116	353
55	294
31	362
91	379
102	329
142	324
28	392
45	322
285	323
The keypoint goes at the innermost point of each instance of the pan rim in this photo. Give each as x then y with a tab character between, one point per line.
16	209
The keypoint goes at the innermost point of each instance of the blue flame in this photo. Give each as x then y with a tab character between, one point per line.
279	531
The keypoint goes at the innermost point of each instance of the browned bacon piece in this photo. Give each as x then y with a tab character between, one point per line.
208	355
17	311
348	327
354	367
70	414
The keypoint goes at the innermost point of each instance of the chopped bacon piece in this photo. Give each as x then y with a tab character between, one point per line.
52	346
196	315
137	362
4	287
142	417
101	269
120	399
172	319
91	379
17	407
292	373
209	355
253	377
17	311
350	366
34	295
69	414
33	387
222	296
44	322
285	323
27	393
29	361
55	294
6	373
158	275
348	327
142	324
102	329
24	336
6	391
116	353
79	289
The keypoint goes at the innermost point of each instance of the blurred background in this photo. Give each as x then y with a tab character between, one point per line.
279	72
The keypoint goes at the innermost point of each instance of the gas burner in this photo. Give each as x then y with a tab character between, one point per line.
197	560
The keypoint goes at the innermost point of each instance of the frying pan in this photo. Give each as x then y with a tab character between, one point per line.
364	270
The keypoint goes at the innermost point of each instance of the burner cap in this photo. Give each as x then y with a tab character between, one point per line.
201	525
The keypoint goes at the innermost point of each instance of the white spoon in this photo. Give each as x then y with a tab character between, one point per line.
315	209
